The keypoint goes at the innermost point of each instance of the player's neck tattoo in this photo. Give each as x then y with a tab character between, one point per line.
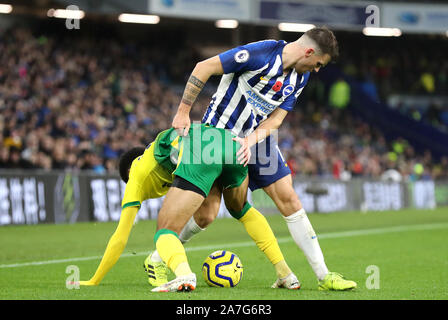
192	90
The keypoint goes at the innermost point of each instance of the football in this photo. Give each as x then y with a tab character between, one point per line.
222	269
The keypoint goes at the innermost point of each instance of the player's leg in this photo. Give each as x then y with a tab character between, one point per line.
190	187
285	198
179	205
278	185
299	226
283	194
271	173
287	201
222	145
204	216
261	233
154	266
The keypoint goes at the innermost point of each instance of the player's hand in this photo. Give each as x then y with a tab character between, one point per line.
243	153
87	283
181	123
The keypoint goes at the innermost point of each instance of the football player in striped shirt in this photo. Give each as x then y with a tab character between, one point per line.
260	84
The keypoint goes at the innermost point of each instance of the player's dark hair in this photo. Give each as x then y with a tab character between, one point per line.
126	160
326	40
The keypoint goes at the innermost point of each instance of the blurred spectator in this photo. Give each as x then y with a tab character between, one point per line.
339	95
444	116
4	157
428	82
402	66
16	161
392	175
369	87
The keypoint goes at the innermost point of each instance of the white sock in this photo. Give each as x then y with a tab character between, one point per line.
304	236
190	229
156	257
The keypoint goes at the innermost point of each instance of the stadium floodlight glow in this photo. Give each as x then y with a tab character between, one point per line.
65	14
381	32
295	27
226	24
139	18
5	8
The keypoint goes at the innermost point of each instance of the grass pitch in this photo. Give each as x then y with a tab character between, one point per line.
407	248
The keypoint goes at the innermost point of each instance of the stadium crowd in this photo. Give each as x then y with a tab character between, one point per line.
78	105
403	67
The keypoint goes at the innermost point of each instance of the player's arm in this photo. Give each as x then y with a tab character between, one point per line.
273	122
115	247
200	75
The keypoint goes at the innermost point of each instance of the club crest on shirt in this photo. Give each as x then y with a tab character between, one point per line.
242	56
288	90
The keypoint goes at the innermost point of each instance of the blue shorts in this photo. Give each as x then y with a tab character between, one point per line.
267	164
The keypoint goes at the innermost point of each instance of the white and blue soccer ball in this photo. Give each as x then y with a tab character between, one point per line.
222	269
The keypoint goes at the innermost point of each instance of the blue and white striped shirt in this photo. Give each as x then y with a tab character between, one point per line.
253	85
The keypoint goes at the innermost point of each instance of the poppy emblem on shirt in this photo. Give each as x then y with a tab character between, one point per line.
288	90
277	86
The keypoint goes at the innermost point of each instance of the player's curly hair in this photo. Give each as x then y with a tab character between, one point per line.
126	160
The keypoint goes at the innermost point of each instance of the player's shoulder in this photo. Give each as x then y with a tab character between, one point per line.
266	44
262	52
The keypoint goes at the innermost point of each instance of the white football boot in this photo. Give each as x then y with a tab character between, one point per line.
182	283
288	282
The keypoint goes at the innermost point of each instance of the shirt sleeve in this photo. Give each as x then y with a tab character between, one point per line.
291	100
116	244
248	57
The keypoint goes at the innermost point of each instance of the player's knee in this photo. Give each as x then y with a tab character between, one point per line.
289	196
234	205
288	201
206	215
204	221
